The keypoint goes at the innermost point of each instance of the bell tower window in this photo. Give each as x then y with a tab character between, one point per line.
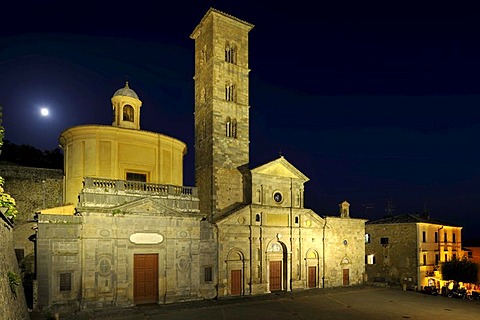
228	127
230	93
231	127
128	113
230	54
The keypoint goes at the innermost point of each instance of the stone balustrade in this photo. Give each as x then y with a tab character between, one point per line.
109	185
109	192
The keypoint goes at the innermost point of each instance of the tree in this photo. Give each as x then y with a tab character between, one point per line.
6	200
29	156
462	270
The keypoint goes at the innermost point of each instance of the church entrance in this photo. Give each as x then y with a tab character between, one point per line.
277	266
312	264
236	272
145	278
346	277
275	275
312	277
236	278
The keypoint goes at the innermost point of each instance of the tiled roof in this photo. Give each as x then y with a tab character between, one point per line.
409	218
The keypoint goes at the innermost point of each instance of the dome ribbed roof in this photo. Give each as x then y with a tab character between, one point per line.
126	91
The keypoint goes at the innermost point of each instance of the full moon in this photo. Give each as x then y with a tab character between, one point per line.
44	112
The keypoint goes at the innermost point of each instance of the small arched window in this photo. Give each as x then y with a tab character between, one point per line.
230	53
230	94
228	127
257	217
296	220
128	113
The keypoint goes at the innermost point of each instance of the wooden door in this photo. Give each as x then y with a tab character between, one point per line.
346	277
312	277
236	282
145	279
275	275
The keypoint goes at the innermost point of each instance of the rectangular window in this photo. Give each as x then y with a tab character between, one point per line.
65	282
454	240
383	240
445	239
437	259
446	257
424	259
370	259
208	274
424	236
131	176
367	238
436	237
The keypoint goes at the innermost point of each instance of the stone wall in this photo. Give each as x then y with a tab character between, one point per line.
344	251
96	252
395	261
59	254
13	307
33	189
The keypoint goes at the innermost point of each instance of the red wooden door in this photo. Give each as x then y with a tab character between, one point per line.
145	279
312	277
275	275
346	277
236	282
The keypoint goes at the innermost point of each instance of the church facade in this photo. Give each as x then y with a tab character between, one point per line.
137	235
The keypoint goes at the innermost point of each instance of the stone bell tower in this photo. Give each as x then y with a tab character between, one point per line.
221	111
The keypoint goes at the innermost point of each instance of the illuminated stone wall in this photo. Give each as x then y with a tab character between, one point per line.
396	260
34	189
221	122
98	246
12	307
402	261
110	152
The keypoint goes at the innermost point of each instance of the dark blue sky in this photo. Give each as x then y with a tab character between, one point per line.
370	102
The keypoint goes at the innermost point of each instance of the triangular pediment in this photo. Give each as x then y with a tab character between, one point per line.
280	168
145	206
240	216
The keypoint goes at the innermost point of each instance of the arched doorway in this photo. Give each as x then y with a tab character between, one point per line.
235	272
312	266
277	266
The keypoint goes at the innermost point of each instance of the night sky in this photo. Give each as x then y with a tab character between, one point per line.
372	103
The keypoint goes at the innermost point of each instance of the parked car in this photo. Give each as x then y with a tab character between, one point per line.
430	290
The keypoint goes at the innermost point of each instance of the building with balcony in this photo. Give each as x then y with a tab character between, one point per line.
409	249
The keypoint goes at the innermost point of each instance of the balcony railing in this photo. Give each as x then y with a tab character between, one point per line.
124	186
108	192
